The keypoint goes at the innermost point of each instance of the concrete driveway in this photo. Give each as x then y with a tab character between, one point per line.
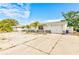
41	44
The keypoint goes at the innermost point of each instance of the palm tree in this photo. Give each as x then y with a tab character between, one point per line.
35	24
28	26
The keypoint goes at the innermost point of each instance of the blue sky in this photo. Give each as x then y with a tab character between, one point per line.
43	12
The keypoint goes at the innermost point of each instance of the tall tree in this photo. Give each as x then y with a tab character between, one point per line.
72	18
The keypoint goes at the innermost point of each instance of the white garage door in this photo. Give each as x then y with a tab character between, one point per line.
56	29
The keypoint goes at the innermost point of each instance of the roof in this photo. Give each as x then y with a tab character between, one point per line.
56	23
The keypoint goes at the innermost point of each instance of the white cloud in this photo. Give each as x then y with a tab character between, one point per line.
16	12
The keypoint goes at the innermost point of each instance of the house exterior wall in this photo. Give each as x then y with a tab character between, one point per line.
57	27
15	28
70	29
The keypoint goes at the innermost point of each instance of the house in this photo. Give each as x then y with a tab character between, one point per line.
53	27
18	28
56	27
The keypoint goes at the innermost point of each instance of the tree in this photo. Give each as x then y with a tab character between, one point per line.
11	22
72	18
28	26
6	25
35	24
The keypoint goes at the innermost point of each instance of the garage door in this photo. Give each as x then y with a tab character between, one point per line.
56	29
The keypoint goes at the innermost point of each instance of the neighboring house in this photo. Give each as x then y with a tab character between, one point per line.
18	28
56	27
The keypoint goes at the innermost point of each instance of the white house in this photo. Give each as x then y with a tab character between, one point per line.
56	27
18	28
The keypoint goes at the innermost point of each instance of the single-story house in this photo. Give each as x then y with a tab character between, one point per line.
53	27
56	27
18	28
